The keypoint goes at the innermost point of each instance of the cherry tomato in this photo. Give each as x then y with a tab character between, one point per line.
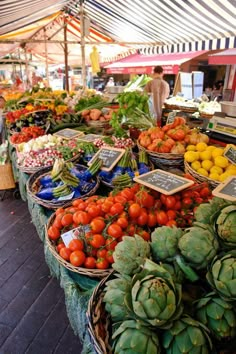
171	223
97	241
81	218
77	258
170	202
107	206
65	253
131	230
178	205
101	253
171	214
109	256
205	192
114	230
57	221
93	210
134	210
76	245
143	218
67	219
59	211
102	263
152	220
199	200
162	217
122	222
60	246
53	233
144	199
127	194
111	243
116	208
120	199
90	263
97	225
144	234
163	198
187	202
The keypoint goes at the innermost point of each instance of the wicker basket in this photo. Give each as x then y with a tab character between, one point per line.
31	170
7	179
198	177
92	273
33	186
163	160
98	320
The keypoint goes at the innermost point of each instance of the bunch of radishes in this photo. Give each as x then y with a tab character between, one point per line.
115	142
44	157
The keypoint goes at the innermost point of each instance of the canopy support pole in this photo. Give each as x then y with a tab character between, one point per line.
26	70
66	57
82	44
46	56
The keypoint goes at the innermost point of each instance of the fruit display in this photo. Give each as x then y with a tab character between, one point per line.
208	161
174	294
100	115
66	180
134	210
172	138
26	134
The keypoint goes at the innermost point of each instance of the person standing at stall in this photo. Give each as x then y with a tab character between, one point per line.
159	90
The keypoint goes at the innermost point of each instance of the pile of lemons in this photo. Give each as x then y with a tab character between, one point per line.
209	161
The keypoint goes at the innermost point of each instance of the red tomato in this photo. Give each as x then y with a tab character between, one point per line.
97	225
134	210
116	208
187	202
109	256
101	253
65	253
59	211
102	263
199	200
170	202
127	194
114	230
76	245
90	263
131	230
152	220
171	214
144	199
77	258
67	219
144	234
107	206
93	210
120	199
178	205
205	192
122	222
111	243
97	241
53	233
57	221
143	218
81	218
161	217
171	223
60	246
163	198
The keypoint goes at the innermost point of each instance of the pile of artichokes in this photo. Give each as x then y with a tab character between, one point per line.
176	294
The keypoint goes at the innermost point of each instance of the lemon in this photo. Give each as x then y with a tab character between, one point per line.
217	152
207	164
205	155
221	161
191	148
231	168
216	169
202	171
210	148
201	146
196	165
214	176
224	176
191	156
231	172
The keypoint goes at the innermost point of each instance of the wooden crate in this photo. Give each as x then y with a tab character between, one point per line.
6	177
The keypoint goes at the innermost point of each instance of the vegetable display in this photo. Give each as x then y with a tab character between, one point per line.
26	134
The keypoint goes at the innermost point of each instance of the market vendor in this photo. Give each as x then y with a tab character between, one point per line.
160	90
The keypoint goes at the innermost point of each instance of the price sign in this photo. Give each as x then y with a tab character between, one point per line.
164	182
171	117
110	156
90	137
74	234
69	134
230	153
226	190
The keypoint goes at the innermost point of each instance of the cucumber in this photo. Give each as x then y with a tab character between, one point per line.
64	126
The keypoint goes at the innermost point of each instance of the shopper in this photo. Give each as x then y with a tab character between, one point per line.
159	90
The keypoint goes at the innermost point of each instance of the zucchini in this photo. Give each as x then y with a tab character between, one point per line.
64	126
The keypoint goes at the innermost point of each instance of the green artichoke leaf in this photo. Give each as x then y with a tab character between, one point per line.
188	271
164	243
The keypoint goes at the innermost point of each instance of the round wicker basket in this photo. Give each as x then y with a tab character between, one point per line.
92	273
164	159
198	177
31	170
99	320
33	187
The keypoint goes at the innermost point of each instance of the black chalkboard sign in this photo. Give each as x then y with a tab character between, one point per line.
227	189
110	156
164	182
230	153
69	133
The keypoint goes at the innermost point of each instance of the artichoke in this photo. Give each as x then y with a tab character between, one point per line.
204	212
116	292
222	275
136	338
130	255
155	298
175	271
187	336
217	315
225	225
198	245
164	243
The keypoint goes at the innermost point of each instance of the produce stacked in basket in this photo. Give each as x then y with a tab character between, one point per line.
170	139
175	294
126	169
43	151
26	134
208	161
134	210
66	180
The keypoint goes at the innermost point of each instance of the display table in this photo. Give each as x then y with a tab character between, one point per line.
77	288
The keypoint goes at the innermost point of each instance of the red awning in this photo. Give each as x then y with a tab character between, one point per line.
144	64
227	57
